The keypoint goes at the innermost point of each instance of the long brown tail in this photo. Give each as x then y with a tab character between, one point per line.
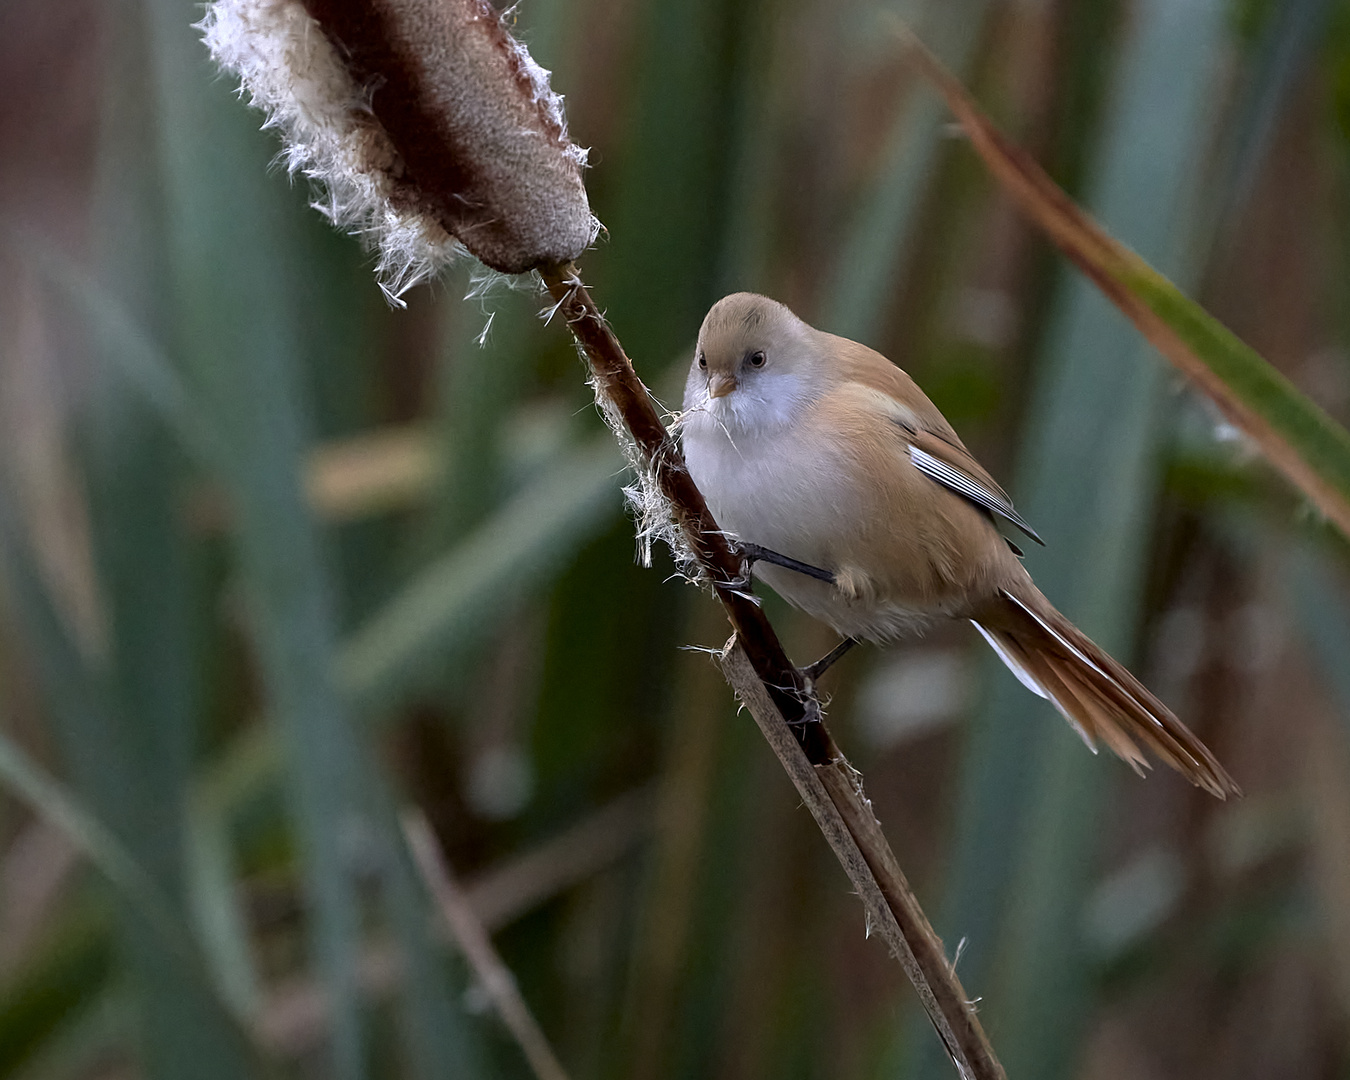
1102	700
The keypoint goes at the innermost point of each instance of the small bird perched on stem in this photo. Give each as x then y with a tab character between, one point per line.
858	503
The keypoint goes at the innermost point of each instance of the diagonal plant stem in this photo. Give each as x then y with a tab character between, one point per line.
495	977
834	795
781	699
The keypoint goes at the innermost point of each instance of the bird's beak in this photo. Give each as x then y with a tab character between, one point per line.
721	386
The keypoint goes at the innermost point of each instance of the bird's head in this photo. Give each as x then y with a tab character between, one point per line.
755	365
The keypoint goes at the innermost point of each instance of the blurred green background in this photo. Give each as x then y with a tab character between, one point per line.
277	560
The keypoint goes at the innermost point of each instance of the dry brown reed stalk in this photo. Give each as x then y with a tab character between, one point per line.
834	795
503	893
296	1019
495	978
439	125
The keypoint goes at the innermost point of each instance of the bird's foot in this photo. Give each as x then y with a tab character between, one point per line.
753	553
811	712
816	670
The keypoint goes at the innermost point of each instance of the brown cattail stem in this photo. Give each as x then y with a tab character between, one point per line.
781	701
834	795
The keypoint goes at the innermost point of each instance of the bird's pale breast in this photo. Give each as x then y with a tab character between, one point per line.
836	489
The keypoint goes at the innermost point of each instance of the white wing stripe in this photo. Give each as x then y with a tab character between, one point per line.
946	475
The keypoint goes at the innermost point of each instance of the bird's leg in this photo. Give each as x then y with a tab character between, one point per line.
754	553
816	670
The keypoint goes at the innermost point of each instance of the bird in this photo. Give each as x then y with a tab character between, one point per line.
856	501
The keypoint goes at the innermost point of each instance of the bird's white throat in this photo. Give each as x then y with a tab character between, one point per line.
763	403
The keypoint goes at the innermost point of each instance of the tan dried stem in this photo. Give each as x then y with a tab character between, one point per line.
493	975
834	795
781	701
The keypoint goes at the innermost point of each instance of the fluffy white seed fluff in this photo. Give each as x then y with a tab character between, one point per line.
546	99
290	70
653	516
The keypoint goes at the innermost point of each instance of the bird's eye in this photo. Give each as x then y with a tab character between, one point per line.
756	359
703	361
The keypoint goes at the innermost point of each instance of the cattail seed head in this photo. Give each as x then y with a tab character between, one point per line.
425	123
